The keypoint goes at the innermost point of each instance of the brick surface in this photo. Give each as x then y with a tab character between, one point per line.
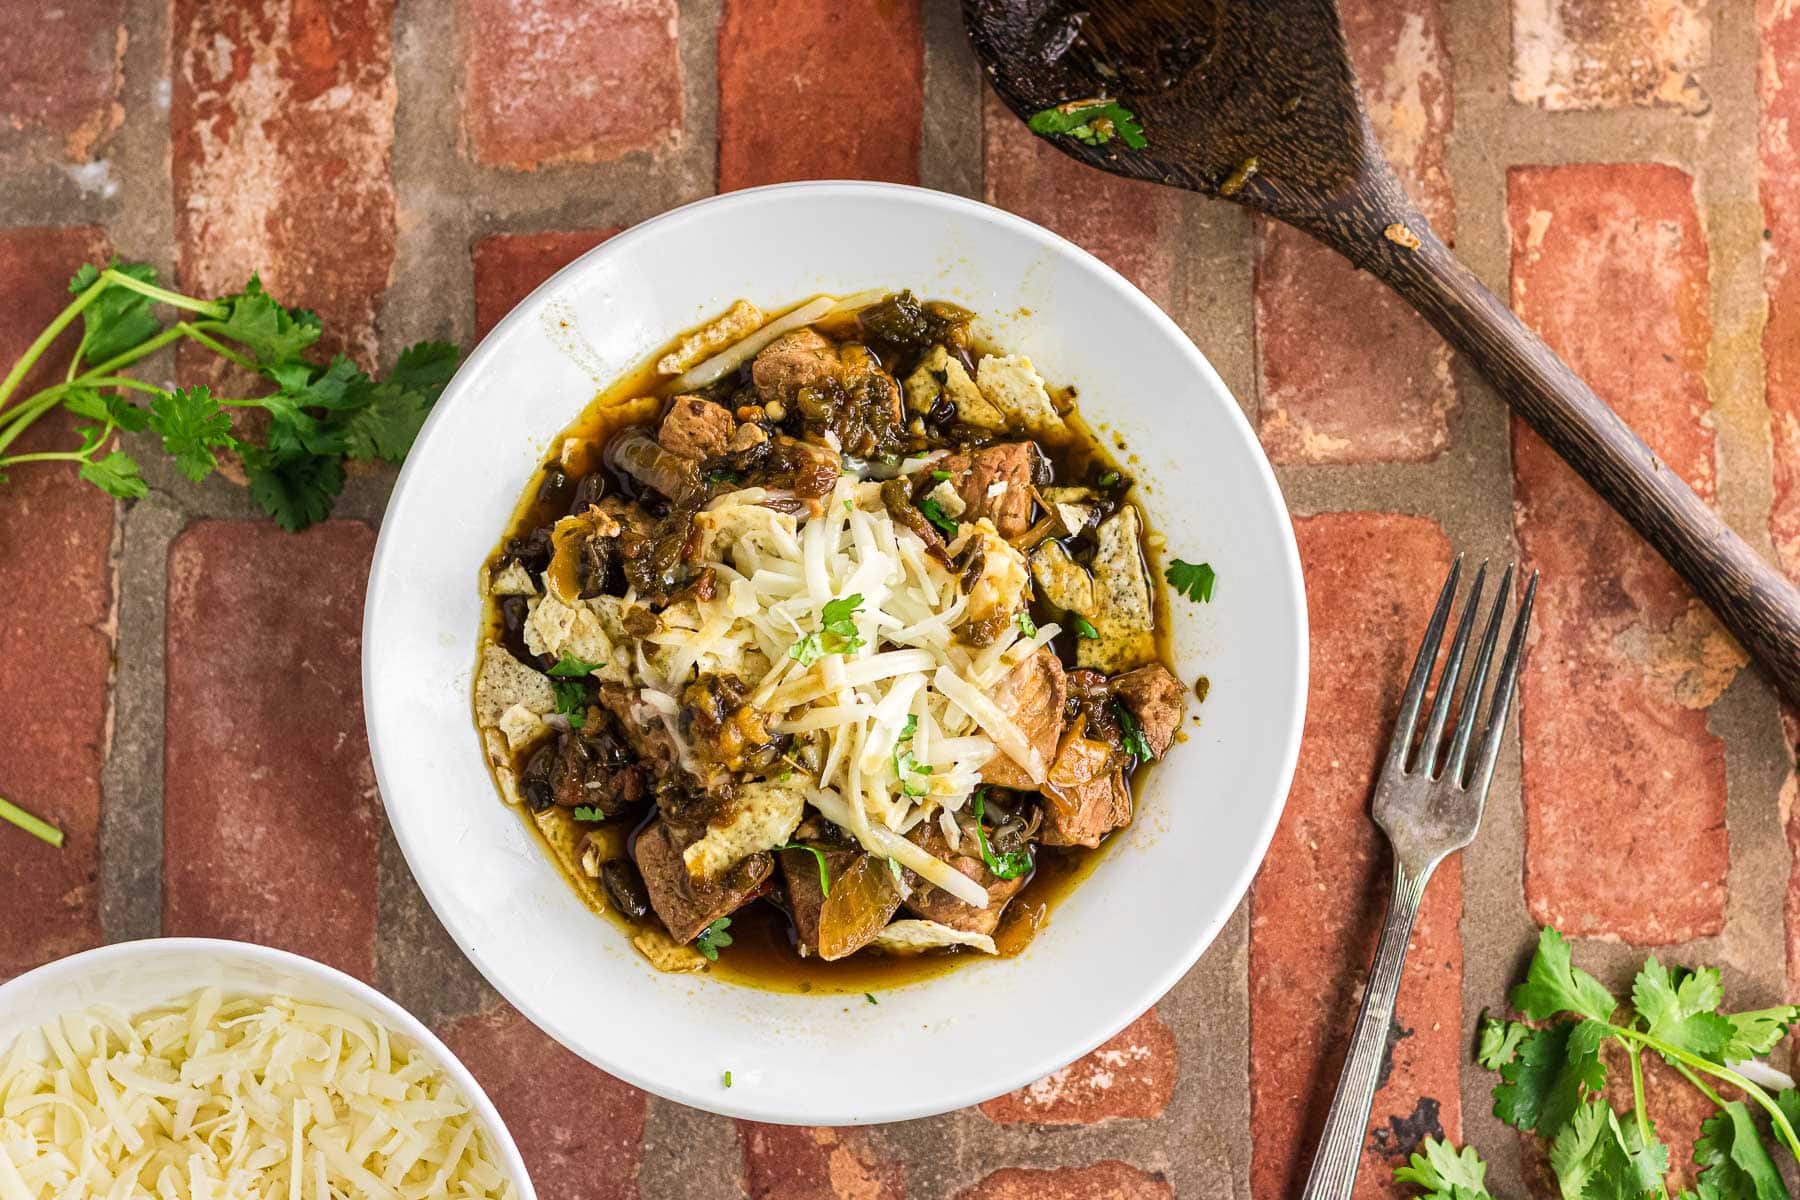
1569	54
569	80
1348	372
850	74
1624	785
1132	1075
282	120
271	820
1128	225
509	265
581	1131
1316	906
55	634
789	1162
1778	145
60	72
1102	1181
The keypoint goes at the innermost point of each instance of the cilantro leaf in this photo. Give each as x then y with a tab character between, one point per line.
192	426
118	318
425	368
1010	865
1732	1160
116	475
1091	122
940	476
273	334
338	385
1135	741
824	875
806	651
1195	581
1027	626
570	667
1554	985
1083	627
934	513
583	812
713	938
1755	1033
1444	1173
1678	1007
386	426
1598	1155
839	621
296	491
571	698
1547	1080
1499	1041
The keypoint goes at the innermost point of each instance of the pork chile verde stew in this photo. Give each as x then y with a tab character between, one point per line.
825	647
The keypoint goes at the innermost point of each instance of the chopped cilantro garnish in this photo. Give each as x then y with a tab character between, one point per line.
583	812
571	697
806	651
911	727
894	866
1004	866
849	508
722	475
1110	479
904	761
1191	580
1090	122
824	875
936	515
870	997
1084	628
728	1073
713	938
940	476
570	667
1135	742
1027	626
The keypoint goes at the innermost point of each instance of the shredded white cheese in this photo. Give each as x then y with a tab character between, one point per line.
243	1098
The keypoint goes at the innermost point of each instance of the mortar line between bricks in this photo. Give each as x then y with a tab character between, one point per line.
950	141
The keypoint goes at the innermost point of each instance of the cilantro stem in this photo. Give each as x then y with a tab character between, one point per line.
216	346
1705	1088
75	358
51	332
28	413
172	299
142	350
35	826
45	456
1638	1107
1737	1081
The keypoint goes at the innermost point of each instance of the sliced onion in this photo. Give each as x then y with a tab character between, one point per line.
735	355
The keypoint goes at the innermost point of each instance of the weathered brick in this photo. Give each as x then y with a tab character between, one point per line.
509	265
1348	372
282	122
820	91
1778	146
271	820
1316	906
569	80
1132	1075
1624	786
1128	225
791	1162
581	1131
1571	54
61	69
1111	1180
55	633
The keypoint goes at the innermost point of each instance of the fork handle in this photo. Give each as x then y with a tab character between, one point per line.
1341	1144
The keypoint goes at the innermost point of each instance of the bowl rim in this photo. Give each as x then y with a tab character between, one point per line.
1202	934
391	1012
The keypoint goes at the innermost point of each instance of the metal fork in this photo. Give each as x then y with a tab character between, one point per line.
1428	809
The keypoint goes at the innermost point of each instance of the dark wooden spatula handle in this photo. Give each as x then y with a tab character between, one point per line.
1754	600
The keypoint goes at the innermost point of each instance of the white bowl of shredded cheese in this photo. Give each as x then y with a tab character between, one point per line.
196	1069
1122	937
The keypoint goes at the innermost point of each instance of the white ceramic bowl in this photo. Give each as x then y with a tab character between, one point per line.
1121	938
133	976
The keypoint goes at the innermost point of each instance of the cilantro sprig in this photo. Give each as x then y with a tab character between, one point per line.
320	413
1010	865
934	512
819	857
1133	735
906	764
837	632
1193	580
713	938
1091	122
1553	1081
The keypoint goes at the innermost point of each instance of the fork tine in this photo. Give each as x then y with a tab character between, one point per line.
1415	683
1446	688
1471	697
1503	693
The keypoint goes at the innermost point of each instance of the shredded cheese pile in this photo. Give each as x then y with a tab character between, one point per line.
893	723
222	1099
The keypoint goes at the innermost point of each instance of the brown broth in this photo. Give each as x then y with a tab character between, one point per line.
762	953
